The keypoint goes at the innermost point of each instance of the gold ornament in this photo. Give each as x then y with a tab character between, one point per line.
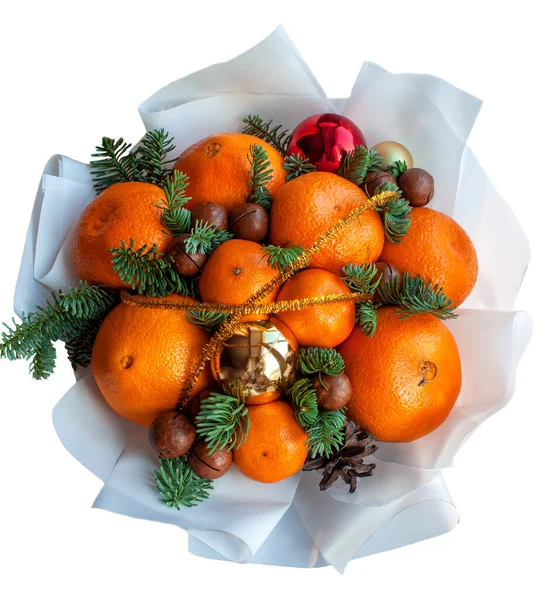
260	356
393	151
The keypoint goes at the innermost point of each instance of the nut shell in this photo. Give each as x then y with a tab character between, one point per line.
187	264
171	434
333	391
212	213
374	179
249	221
209	466
417	186
386	272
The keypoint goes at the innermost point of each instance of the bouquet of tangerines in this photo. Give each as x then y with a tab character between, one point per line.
272	300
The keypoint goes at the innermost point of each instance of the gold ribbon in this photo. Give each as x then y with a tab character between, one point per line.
254	303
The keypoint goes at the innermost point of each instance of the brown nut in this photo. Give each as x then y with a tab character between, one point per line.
386	272
209	466
417	186
187	264
333	391
374	179
171	434
212	213
249	221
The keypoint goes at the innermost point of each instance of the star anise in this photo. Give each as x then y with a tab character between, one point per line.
348	461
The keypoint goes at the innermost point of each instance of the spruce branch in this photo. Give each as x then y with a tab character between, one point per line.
88	301
114	163
357	163
397	168
259	175
276	136
279	258
395	214
204	238
304	401
151	157
207	319
360	278
296	165
175	217
222	422
326	434
320	360
42	363
366	316
413	295
178	485
147	271
80	348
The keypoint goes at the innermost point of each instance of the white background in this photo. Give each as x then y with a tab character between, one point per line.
73	72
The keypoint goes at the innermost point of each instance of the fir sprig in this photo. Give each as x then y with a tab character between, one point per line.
222	422
414	295
361	278
178	485
320	360
278	137
147	271
175	217
395	214
64	318
259	175
358	163
79	349
204	238
279	258
115	161
326	434
207	319
366	317
397	168
304	401
296	165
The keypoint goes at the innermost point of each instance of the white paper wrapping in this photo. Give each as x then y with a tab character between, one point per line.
291	523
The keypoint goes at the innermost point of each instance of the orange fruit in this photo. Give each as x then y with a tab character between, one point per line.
142	357
406	378
235	271
218	167
322	325
310	205
275	447
437	248
124	211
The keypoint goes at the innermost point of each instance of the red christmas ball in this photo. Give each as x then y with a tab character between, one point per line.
325	139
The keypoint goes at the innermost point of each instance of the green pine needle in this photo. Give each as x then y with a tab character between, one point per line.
295	165
178	485
358	163
80	348
276	136
222	422
67	317
116	161
326	434
415	296
259	175
279	258
360	279
304	400
204	238
147	271
397	168
395	214
320	360
175	217
207	319
366	316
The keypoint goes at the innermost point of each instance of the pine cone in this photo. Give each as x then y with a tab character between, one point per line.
347	462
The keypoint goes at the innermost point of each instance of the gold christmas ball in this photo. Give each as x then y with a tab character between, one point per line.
393	151
260	356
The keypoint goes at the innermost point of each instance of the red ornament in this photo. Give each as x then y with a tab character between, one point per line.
325	139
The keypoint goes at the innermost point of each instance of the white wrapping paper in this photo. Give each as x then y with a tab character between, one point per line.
291	523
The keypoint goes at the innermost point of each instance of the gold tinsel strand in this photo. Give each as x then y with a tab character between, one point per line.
230	325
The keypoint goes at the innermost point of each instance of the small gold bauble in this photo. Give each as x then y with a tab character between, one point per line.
261	356
393	151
